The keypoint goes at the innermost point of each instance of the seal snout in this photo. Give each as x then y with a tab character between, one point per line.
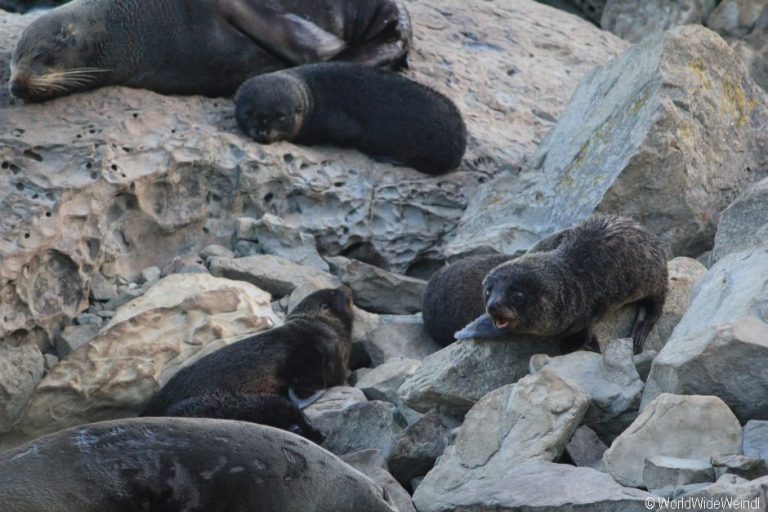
499	312
19	88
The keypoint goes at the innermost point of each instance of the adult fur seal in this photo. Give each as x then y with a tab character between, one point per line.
378	112
596	267
181	465
301	358
198	46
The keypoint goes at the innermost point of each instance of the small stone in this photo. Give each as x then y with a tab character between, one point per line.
748	468
74	336
418	447
216	251
275	236
661	473
107	313
150	275
89	319
49	361
586	449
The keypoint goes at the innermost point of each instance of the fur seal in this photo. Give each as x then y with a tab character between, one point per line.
204	47
375	111
596	267
181	464
299	359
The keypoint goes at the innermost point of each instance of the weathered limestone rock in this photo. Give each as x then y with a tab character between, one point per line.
755	442
633	21
179	319
719	346
533	419
418	447
661	473
749	468
744	224
694	427
372	464
385	337
275	236
455	377
378	290
669	133
586	449
536	485
21	369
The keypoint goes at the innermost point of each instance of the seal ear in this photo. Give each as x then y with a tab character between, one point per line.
480	327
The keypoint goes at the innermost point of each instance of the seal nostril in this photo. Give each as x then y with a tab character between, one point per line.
17	89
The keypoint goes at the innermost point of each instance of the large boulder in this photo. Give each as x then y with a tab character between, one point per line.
744	224
178	320
533	419
720	346
692	427
669	133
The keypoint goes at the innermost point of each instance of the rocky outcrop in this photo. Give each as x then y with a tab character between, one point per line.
181	318
693	427
669	133
725	328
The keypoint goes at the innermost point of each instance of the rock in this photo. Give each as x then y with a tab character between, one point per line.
216	251
418	447
724	329
385	337
536	485
89	319
740	493
369	463
628	142
333	401
755	442
643	362
744	224
179	265
662	472
455	377
633	21
21	369
274	274
377	290
753	50
736	18
275	236
28	5
49	361
693	427
179	319
586	449
381	383
359	426
533	419
73	337
150	275
610	379
749	468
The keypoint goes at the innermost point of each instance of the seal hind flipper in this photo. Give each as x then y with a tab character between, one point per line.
292	37
480	327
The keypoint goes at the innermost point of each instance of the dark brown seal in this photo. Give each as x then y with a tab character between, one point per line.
198	46
181	464
375	111
596	267
306	354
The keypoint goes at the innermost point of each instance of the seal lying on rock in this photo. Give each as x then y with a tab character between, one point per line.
299	359
180	464
204	47
378	112
595	268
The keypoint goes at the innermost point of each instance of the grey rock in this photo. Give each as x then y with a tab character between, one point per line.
89	319
454	378
744	224
749	468
694	427
643	362
382	382
533	419
49	362
378	290
180	265
610	379
746	495
360	426
275	236
755	443
372	464
633	20
73	337
215	251
663	472
736	18
725	328
21	370
536	485
150	275
384	337
273	274
628	142
333	401
586	449
418	447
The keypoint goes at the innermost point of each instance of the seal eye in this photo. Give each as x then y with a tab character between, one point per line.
294	429
487	293
517	298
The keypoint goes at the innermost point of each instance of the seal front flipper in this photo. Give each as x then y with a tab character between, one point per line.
480	327
290	36
303	403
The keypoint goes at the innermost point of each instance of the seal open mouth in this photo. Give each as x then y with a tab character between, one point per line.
500	323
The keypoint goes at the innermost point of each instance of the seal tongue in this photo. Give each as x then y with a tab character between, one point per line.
482	327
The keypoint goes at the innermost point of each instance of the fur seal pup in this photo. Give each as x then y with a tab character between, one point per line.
596	267
204	47
378	112
181	465
299	359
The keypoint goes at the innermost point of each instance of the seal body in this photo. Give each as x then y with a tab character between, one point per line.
198	46
596	267
181	465
309	352
384	114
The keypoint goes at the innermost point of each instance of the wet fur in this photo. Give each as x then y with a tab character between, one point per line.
595	268
383	114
